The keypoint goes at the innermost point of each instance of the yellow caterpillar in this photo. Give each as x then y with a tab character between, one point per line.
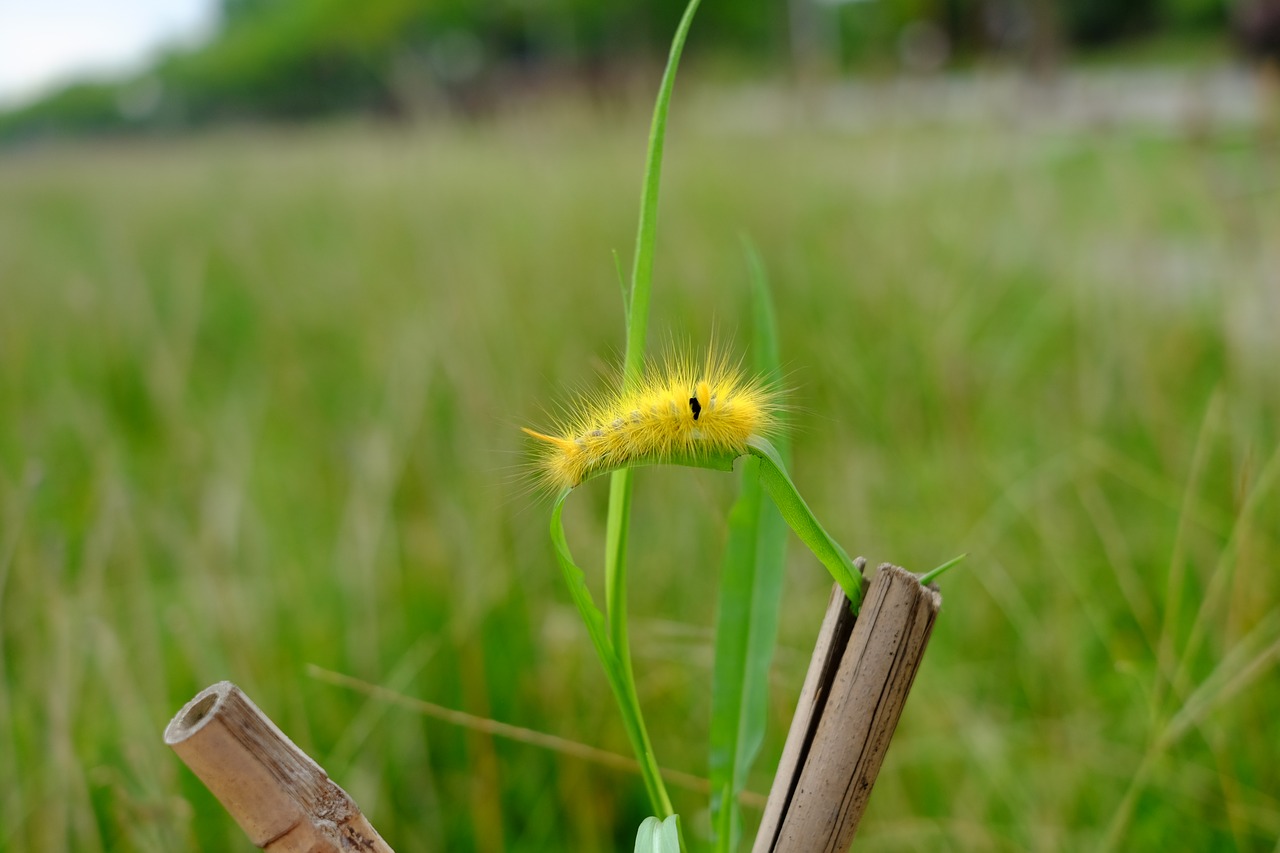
678	408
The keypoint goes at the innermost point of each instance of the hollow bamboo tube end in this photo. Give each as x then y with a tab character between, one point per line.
282	799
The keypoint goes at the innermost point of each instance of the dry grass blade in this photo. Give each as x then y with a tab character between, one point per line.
532	737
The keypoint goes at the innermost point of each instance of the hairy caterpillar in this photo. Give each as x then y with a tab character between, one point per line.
678	408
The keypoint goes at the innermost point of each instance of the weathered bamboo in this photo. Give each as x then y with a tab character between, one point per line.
853	695
833	636
283	800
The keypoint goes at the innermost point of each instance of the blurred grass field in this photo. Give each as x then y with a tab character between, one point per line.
259	405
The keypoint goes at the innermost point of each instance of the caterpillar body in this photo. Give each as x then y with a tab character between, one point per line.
680	407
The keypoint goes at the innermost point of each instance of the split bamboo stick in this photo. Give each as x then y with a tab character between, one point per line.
853	696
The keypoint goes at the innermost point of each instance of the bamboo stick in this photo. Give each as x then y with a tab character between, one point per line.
282	799
853	695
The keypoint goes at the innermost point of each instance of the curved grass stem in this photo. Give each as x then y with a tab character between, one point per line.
616	667
774	478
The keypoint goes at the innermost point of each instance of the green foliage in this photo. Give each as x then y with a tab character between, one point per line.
258	407
1195	14
294	59
80	109
749	601
303	59
659	836
1091	22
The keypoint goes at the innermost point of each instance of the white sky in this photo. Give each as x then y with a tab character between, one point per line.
46	43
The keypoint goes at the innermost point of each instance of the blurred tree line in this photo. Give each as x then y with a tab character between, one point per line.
286	59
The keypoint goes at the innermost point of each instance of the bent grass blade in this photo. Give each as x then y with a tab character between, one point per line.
617	673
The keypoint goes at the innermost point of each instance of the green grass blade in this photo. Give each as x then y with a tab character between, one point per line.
646	232
617	526
733	676
576	581
766	354
747	616
774	478
623	289
637	319
637	316
616	673
933	574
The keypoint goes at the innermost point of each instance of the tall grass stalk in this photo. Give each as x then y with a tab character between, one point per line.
637	319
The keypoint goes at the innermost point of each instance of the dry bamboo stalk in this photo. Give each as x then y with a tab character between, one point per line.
283	800
854	692
833	636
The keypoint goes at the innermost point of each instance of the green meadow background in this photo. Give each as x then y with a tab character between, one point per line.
260	399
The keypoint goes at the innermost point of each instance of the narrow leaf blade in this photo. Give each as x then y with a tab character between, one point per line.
576	582
776	481
615	668
747	616
637	319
